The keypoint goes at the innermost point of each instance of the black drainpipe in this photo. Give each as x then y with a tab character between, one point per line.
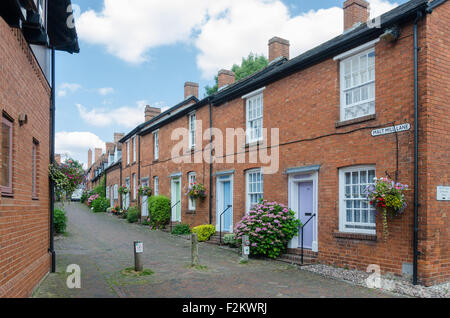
139	175
210	162
52	160
416	152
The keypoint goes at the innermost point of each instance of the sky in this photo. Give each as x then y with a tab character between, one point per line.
141	52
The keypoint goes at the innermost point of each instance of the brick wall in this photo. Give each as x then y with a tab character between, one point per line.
113	178
24	223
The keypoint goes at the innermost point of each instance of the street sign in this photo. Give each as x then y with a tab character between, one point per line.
246	250
139	246
391	130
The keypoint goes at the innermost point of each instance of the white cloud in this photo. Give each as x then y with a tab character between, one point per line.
223	31
106	91
126	116
77	144
66	88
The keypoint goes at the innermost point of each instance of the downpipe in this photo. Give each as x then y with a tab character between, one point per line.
51	249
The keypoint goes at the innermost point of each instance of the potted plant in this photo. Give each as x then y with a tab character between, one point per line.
145	191
196	191
388	198
124	190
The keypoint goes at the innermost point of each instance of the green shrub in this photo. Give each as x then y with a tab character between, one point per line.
84	197
159	211
204	232
181	229
101	188
100	205
230	239
132	215
60	220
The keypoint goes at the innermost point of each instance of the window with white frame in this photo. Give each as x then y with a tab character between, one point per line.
358	85
156	144
134	149
156	185
191	180
134	187
116	192
356	215
192	125
107	192
128	152
254	109
254	187
7	152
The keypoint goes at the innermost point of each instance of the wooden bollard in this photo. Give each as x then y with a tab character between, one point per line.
138	251
194	249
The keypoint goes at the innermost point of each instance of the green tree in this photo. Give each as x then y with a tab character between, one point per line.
250	65
66	177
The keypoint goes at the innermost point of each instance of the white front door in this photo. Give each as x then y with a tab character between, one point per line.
224	204
144	205
176	199
303	194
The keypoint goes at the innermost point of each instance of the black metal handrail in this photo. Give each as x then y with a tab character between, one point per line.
171	222
220	220
301	228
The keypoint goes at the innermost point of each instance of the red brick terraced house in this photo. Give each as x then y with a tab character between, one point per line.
30	33
113	171
312	132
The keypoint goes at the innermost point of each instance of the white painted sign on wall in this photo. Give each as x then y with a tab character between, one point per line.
443	193
391	130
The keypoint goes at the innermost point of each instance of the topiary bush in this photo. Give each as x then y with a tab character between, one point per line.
60	220
159	211
132	215
181	229
100	204
204	232
270	226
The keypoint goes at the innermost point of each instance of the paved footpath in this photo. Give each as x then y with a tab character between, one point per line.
102	245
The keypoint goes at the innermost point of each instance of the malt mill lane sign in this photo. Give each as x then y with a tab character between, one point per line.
391	130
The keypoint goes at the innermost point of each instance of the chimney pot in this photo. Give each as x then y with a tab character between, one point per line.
98	154
151	112
89	158
190	89
278	47
355	11
225	77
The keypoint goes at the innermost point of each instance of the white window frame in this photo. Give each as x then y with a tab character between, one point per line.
128	152
156	145
362	88
252	107
248	193
116	192
156	185
134	149
107	192
192	202
134	186
192	129
343	223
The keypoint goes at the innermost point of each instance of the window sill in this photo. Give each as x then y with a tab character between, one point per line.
156	161
254	144
7	194
359	120
190	212
355	236
35	199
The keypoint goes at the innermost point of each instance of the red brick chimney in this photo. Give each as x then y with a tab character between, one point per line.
89	158
98	154
118	136
355	11
225	77
190	89
151	112
278	47
58	158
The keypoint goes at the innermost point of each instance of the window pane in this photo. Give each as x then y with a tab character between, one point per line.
6	144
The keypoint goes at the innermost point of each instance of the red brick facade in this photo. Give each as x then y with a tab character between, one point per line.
306	108
24	221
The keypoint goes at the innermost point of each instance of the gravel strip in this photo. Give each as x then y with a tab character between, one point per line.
389	283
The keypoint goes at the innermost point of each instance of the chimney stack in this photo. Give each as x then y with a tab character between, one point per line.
225	77
190	89
355	11
109	147
278	47
151	112
89	158
118	136
98	153
58	158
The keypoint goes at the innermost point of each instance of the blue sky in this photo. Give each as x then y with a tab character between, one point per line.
140	52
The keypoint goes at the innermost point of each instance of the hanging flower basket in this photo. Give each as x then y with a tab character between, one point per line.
196	191
388	198
124	190
145	191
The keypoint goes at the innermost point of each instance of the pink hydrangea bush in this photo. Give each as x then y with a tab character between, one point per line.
91	199
270	226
